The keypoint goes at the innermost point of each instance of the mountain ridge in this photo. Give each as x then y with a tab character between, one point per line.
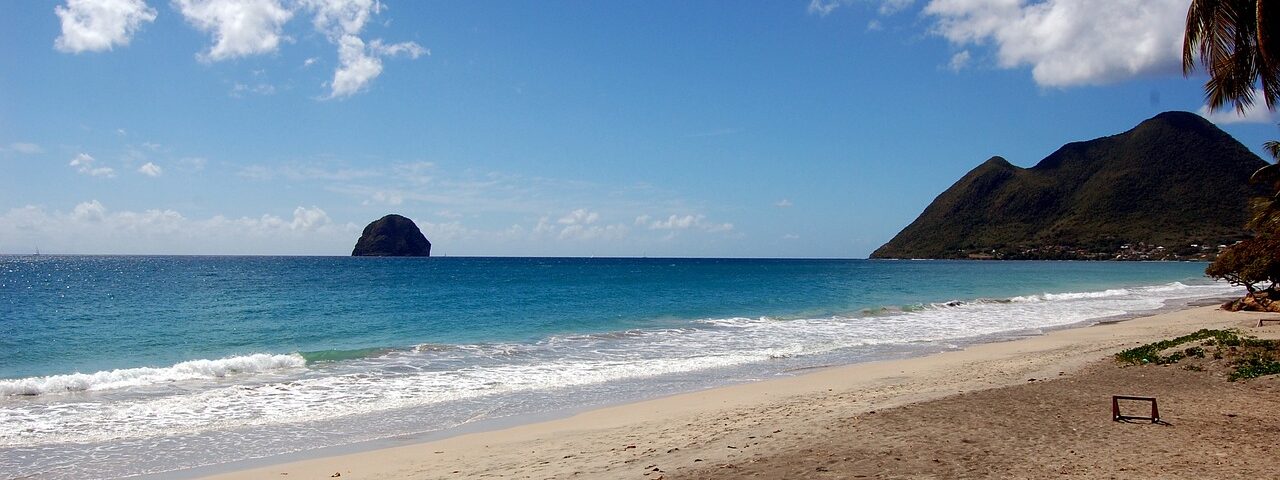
1173	180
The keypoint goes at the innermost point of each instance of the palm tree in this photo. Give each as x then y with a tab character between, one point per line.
1238	44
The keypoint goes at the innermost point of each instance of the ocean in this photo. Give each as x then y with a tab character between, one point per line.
117	366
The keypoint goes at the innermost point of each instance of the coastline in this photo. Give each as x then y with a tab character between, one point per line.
692	430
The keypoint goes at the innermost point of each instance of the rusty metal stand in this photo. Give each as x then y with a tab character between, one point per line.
1115	409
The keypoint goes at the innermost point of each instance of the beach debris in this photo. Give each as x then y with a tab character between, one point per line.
335	475
1118	417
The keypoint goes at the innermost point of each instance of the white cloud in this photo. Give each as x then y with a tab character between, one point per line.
310	61
239	89
309	230
84	164
959	61
240	28
593	232
89	211
580	217
309	219
823	8
359	64
577	225
1256	113
890	7
683	222
150	169
26	148
784	203
1069	42
408	49
97	25
341	21
356	68
790	236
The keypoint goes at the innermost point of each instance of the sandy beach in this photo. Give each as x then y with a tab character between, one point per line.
1036	407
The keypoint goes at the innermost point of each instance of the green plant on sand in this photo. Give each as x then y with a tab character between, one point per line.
1248	356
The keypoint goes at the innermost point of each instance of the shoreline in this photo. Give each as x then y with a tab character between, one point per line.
676	424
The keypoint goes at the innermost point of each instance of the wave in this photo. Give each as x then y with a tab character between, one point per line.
732	337
1113	292
129	377
322	356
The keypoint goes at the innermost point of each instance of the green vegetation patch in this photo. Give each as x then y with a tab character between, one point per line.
1248	356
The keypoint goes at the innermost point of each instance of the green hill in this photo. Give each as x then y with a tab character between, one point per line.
1174	180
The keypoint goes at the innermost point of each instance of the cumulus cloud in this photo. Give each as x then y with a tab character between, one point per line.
240	28
309	219
342	21
150	169
1256	113
1069	42
578	225
97	25
160	230
26	148
580	217
784	203
359	64
84	164
91	211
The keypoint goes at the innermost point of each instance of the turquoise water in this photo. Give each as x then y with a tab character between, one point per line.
248	356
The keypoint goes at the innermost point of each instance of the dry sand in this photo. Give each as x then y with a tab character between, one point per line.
974	413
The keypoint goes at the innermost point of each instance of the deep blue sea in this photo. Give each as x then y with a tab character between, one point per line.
113	366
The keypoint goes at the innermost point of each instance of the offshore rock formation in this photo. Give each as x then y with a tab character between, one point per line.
1175	185
392	236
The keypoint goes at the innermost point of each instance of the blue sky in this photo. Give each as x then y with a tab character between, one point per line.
668	128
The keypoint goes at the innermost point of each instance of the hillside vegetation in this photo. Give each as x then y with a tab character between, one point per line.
1173	181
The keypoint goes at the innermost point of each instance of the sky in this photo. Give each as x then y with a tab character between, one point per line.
716	128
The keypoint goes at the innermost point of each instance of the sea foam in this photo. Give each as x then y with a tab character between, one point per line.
132	377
